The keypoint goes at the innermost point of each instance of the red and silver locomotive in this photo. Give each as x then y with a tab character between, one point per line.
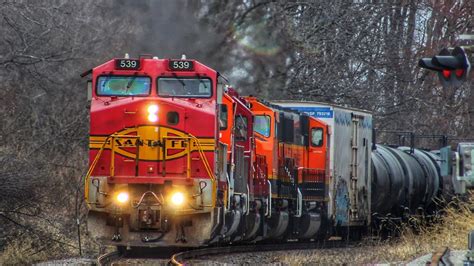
153	157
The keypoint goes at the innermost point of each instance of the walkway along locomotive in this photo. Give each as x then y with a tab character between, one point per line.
177	158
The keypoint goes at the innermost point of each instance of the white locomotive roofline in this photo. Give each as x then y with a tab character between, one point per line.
304	103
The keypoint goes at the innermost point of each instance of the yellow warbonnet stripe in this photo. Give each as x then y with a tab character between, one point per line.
176	142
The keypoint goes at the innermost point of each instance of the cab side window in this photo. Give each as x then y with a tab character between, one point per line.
241	128
262	125
317	137
223	117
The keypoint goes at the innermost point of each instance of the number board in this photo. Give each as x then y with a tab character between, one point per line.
181	65
127	64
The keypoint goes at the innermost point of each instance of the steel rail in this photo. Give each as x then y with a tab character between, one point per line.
181	257
108	258
161	253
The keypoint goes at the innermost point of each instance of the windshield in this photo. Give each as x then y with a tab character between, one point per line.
123	86
184	87
262	125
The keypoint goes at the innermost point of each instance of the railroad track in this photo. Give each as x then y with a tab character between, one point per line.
108	258
181	257
136	253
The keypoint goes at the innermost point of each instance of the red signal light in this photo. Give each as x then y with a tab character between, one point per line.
446	73
459	72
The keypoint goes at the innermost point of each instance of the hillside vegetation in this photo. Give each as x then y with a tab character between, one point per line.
450	231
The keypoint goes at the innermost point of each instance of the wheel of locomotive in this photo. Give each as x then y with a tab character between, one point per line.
252	225
278	224
232	221
325	228
309	225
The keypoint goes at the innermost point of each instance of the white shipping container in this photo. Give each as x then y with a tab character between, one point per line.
350	162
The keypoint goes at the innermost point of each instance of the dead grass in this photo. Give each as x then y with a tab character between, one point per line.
27	249
20	253
451	231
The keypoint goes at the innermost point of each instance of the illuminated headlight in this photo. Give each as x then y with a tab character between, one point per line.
153	109
122	197
152	117
177	198
152	113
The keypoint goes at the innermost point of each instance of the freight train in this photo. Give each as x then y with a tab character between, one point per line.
179	158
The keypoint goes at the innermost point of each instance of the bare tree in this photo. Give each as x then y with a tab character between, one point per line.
44	129
355	53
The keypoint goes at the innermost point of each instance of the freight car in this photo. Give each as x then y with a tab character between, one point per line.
350	167
179	158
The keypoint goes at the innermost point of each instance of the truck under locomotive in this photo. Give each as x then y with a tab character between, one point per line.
177	158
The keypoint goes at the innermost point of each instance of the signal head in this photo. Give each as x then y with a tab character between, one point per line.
426	63
452	67
464	68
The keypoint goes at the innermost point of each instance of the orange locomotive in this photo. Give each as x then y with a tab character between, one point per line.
294	146
178	159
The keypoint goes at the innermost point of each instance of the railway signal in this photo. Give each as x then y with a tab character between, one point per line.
452	65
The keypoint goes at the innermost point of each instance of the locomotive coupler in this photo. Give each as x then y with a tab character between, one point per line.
180	235
118	222
147	217
148	239
117	237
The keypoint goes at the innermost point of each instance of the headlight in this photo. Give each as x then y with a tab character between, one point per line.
152	113
152	117
122	197
153	109
177	198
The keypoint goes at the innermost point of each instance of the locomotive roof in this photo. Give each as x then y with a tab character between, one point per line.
271	104
312	103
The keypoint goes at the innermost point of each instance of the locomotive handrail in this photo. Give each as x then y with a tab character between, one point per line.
299	203
200	151
112	153
203	159
191	137
188	151
96	160
208	169
91	168
268	212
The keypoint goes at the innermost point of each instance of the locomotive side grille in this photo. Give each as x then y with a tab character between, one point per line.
313	186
